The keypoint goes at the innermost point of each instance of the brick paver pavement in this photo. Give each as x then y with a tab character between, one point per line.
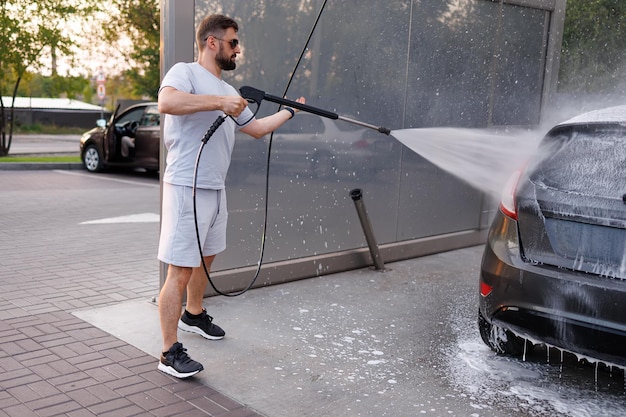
56	364
51	362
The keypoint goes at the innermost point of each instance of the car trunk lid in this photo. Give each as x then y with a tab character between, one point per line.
571	203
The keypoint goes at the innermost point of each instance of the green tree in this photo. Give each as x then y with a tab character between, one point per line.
593	56
139	20
31	31
37	85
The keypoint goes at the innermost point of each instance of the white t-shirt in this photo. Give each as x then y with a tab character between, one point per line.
183	134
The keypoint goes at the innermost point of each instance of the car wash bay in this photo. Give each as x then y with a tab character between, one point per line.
363	342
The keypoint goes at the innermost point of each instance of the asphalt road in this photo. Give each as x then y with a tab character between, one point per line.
44	144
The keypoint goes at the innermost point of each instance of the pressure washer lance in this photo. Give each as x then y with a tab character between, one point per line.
255	95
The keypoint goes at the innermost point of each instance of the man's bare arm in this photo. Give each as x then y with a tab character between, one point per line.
175	102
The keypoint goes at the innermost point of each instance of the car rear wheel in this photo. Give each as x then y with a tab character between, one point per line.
92	159
501	340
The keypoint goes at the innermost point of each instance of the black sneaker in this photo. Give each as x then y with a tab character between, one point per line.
203	325
177	363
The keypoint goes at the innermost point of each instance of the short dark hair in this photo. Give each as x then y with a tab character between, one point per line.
216	25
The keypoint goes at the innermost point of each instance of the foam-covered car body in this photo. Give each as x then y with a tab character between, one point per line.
554	267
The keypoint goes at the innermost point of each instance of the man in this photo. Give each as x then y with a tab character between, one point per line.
192	97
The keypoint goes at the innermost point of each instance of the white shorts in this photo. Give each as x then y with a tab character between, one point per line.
178	244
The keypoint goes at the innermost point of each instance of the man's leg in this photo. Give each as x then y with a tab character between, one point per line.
197	286
174	359
125	145
171	303
195	318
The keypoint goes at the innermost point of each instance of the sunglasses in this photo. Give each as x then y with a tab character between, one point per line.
233	42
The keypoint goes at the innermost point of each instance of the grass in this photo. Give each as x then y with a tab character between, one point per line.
48	129
45	129
46	158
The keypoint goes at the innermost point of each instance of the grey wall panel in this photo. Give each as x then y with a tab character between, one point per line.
399	64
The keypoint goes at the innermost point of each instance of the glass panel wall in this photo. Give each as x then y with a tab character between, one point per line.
398	64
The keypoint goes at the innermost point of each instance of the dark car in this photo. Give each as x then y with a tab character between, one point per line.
129	139
554	268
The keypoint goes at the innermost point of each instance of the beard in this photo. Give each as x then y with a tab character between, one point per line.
225	62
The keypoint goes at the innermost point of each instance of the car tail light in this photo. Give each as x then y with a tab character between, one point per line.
485	289
507	202
362	143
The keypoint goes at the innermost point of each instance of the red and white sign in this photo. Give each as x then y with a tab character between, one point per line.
101	91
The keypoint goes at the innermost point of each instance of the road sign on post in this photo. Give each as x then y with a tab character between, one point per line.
101	91
100	88
100	78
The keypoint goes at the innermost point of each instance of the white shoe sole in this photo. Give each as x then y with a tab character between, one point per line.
193	329
171	371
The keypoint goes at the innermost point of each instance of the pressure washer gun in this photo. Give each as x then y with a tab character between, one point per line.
254	95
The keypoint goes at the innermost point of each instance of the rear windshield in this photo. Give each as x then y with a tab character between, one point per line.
585	159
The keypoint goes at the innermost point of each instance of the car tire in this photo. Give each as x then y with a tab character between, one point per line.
501	340
92	159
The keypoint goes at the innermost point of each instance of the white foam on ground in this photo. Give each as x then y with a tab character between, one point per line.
533	387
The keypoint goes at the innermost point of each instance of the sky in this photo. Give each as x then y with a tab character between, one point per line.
92	53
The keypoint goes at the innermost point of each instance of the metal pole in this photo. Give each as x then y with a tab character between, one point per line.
357	197
379	129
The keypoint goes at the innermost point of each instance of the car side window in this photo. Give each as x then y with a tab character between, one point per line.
134	115
151	117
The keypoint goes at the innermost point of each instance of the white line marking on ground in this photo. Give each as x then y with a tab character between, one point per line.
106	178
133	218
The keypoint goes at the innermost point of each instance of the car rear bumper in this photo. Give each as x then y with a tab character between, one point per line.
578	312
581	338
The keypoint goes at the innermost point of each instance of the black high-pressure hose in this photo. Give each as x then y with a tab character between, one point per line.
206	138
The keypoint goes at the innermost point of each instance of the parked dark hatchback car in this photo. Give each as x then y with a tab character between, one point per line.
554	267
101	147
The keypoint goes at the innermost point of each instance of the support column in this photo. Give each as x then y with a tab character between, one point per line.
177	45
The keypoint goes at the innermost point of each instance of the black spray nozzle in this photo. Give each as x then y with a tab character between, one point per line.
384	130
252	94
255	95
